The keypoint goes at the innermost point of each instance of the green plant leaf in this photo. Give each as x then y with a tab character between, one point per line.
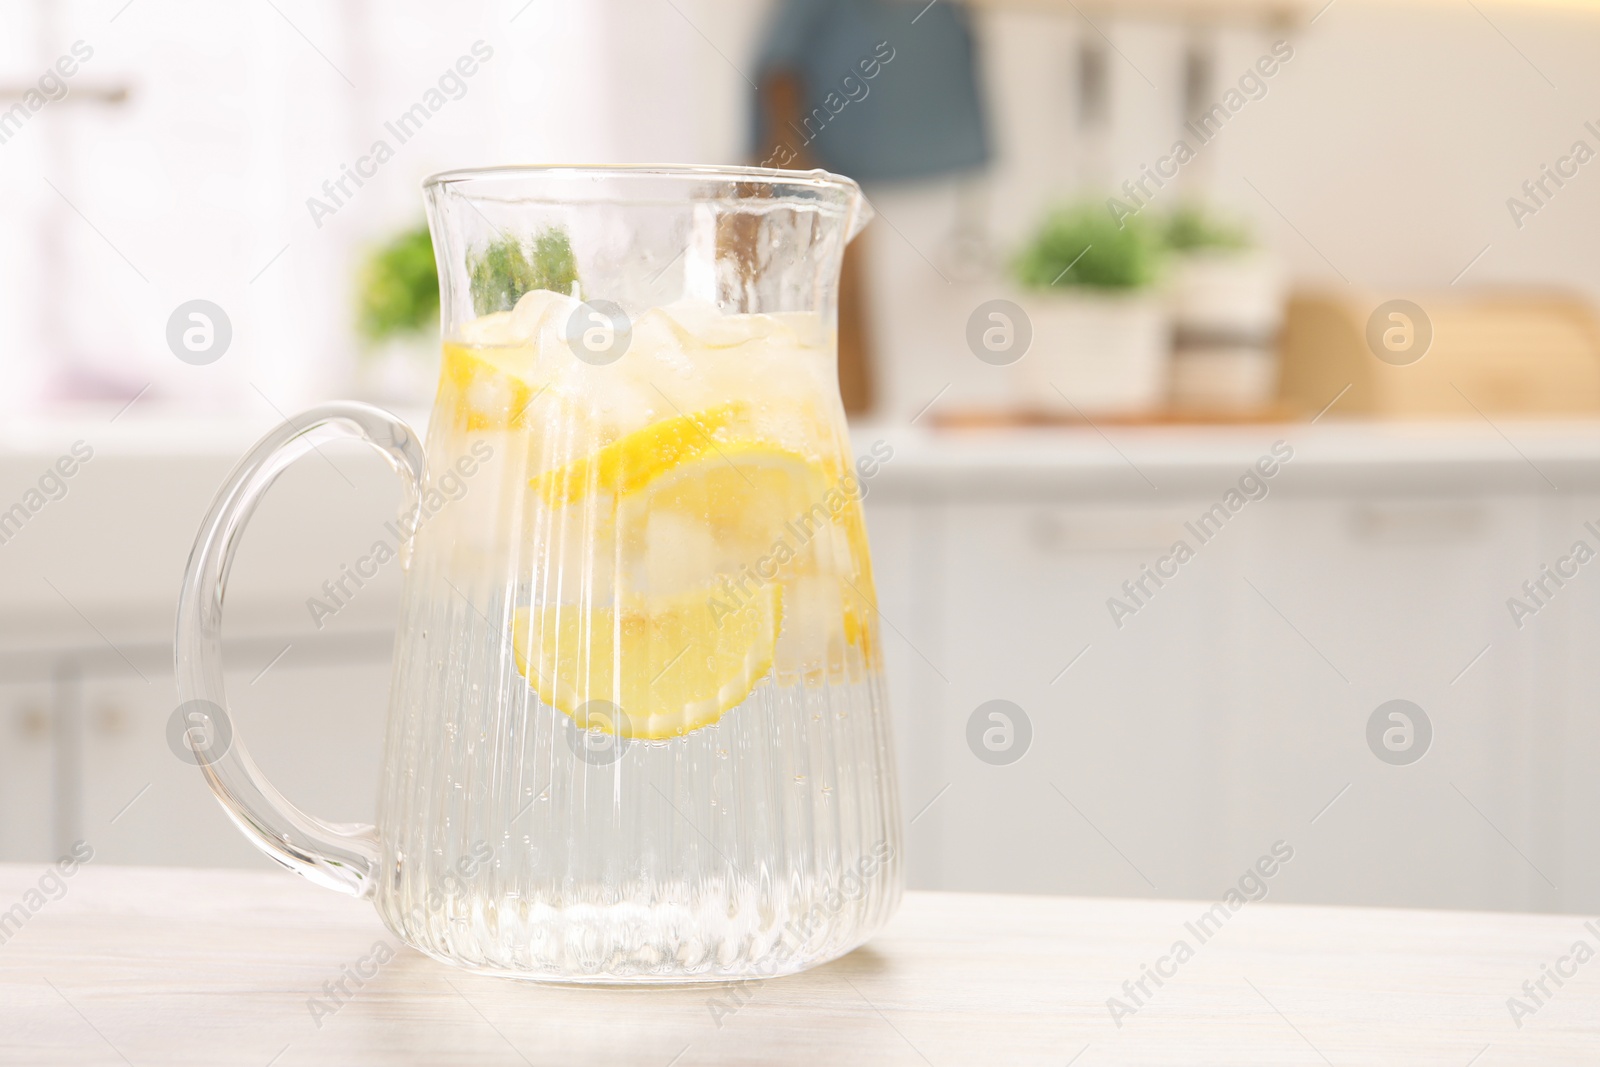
1082	245
1193	227
504	271
398	290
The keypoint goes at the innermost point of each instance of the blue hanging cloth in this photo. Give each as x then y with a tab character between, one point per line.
883	98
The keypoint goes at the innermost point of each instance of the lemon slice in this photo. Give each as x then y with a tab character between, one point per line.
669	665
487	388
755	501
633	461
711	528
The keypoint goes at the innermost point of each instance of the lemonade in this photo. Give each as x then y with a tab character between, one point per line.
662	564
638	730
707	466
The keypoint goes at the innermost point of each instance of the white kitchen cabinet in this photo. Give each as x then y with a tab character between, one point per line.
316	732
1365	599
903	547
140	804
1232	710
86	612
1115	790
26	771
86	753
1167	754
1562	727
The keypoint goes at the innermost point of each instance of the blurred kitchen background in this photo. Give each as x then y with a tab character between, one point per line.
1374	265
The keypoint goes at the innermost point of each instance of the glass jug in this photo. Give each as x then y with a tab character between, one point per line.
637	726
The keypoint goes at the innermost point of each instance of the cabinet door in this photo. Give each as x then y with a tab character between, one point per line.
1356	602
315	731
905	545
1564	738
1116	793
27	774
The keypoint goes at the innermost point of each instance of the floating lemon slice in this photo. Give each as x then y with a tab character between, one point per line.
488	388
633	461
757	502
669	665
711	525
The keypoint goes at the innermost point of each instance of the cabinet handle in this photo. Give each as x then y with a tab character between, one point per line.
1065	535
33	723
111	719
1416	524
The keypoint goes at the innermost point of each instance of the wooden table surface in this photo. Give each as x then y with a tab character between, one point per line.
146	966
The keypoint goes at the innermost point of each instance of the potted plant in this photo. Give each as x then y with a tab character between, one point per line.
1099	329
507	270
398	298
397	317
1226	298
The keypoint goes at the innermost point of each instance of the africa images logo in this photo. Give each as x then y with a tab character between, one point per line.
1205	127
1252	485
450	85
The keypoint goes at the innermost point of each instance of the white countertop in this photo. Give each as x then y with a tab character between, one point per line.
1146	460
153	431
116	543
220	967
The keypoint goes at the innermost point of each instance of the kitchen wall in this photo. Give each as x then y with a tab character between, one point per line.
196	182
1381	156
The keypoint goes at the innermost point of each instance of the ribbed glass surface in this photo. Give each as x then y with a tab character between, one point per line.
638	729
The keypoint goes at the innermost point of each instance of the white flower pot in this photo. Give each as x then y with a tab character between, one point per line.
1227	308
1224	379
1239	295
1096	352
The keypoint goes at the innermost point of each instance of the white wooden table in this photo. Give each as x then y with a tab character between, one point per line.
147	966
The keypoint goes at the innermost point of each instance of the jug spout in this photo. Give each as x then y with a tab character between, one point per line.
861	211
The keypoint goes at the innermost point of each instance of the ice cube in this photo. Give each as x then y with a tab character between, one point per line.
489	331
541	315
704	325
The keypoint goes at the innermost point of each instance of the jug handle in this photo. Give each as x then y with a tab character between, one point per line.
342	856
